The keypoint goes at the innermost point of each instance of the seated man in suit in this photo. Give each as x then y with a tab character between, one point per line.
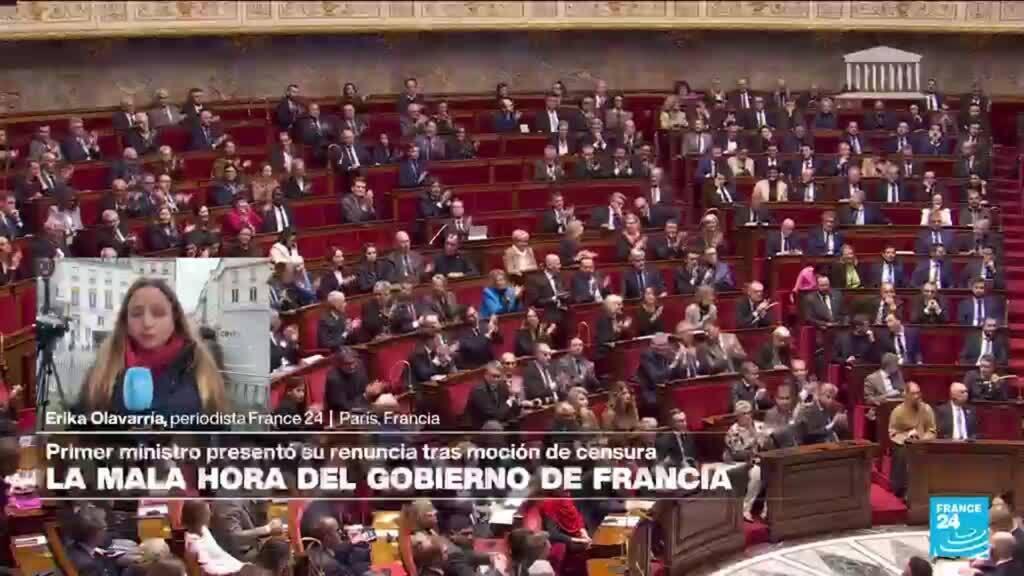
852	183
589	166
988	342
476	340
451	262
770	160
659	364
358	206
891	189
506	120
676	446
825	240
205	135
807	162
929	307
857	213
956	419
883	384
406	263
785	241
750	388
970	162
778	352
755	213
334	329
984	382
859	345
690	275
934	143
492	400
587	285
719	193
640	276
889	270
710	165
576	369
549	169
434	355
823	307
720	351
878	118
935	270
826	118
986	269
431	145
981	305
899	140
935	234
980	237
697	142
879	307
973	211
352	156
277	216
716	273
853	137
753	311
669	245
114	234
901	340
88	536
539	379
841	164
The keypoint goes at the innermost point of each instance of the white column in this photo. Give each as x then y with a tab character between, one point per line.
856	78
892	78
849	76
874	77
882	86
899	77
917	76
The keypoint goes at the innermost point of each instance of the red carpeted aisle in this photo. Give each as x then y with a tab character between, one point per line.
1006	174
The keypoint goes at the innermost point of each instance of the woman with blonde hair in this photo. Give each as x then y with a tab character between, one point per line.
420	517
519	258
672	116
703	307
711	235
621	415
152	333
569	246
577	397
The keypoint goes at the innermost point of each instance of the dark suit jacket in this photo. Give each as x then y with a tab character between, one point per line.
816	244
599	217
918	316
292	189
579	287
631	284
745	315
285	115
972	349
318	139
685	280
655	369
926	147
549	223
881	192
422	367
11	228
484	405
504	123
346	162
410	175
774	243
105	237
944	421
270	222
876	275
571	143
912	355
982	167
815	311
330	332
979	390
921	273
74	152
533	383
157	238
823	121
879	121
675	448
965	311
973	270
659	244
872	216
924	242
89	565
200	140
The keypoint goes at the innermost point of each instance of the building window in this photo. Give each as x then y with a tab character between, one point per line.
108	299
234	295
99	321
74	296
252	294
234	276
92	298
167	269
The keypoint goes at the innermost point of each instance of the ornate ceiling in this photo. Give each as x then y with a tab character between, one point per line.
53	20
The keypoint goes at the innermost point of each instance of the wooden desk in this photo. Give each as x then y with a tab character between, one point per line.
698	529
818	488
948	468
708	395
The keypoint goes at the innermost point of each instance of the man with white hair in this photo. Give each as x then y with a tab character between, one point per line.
785	240
641	277
1001	556
956	419
406	263
752	311
334	328
164	113
575	368
539	378
80	146
113	234
548	291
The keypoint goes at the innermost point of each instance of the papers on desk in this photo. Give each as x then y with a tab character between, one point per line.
30	541
27	441
949	567
22	482
641	505
153	510
504	513
620	521
904	252
311	359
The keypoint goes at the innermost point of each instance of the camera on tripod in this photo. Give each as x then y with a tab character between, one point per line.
50	328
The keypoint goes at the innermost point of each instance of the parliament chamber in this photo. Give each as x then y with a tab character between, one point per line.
805	285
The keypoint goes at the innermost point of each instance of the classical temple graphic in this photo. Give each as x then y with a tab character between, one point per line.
883	72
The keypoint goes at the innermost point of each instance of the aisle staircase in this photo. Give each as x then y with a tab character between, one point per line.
1008	178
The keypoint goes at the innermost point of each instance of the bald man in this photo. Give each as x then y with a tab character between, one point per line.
956	419
406	263
548	291
753	311
334	328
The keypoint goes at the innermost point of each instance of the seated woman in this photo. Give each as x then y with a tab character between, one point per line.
241	216
152	333
648	318
579	400
703	307
286	249
370	270
226	188
569	246
162	234
612	326
519	258
10	262
229	157
200	543
264	185
672	116
936	206
461	147
532	332
711	234
383	152
621	414
632	237
499	297
334	278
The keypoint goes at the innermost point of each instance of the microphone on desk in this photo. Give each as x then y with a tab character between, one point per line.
434	238
138	389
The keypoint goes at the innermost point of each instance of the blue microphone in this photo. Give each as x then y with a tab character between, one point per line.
138	389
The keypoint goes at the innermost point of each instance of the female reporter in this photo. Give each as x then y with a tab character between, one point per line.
152	332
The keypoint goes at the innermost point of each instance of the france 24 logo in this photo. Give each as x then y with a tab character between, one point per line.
958	527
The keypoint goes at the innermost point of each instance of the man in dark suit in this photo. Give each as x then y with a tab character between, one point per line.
589	166
900	140
547	291
114	234
888	270
956	419
549	168
985	383
359	206
988	342
608	217
754	310
935	269
288	110
970	162
433	356
825	240
475	341
506	120
317	131
741	98
124	119
720	194
334	329
411	172
785	240
878	118
432	146
710	165
79	146
539	381
352	156
935	234
554	219
659	364
11	224
669	245
88	536
676	446
974	310
823	307
857	213
690	275
491	400
412	95
547	120
853	137
933	99
205	135
588	285
278	216
891	189
806	161
794	141
347	383
900	340
826	118
857	346
933	143
407	264
640	277
986	269
298	184
929	307
973	211
848	184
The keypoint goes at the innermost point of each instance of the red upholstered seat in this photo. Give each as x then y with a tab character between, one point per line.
91	176
251	134
700	400
998	422
177	137
454	174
